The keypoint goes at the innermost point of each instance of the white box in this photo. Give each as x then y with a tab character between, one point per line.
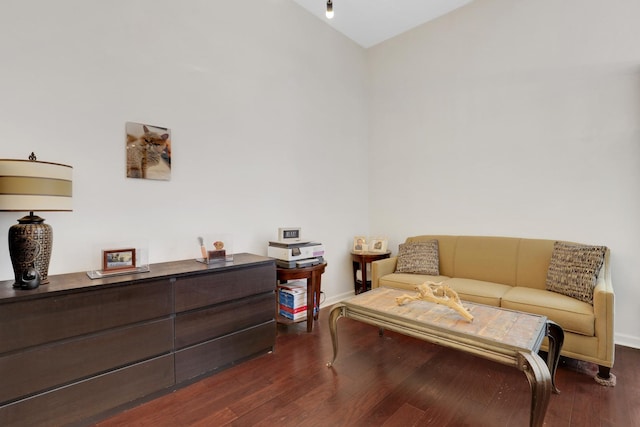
293	294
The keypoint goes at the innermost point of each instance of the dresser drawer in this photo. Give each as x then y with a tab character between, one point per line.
204	290
48	366
29	323
200	359
204	324
78	401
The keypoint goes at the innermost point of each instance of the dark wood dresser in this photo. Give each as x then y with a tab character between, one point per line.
77	349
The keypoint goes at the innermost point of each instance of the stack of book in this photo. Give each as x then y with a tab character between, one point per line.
293	300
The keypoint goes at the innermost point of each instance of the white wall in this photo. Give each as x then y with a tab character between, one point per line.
515	119
266	104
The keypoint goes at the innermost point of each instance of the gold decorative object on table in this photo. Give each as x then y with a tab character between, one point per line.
440	294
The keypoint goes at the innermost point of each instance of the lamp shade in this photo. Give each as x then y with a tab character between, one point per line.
31	185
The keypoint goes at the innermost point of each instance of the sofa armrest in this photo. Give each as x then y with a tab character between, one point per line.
603	308
382	268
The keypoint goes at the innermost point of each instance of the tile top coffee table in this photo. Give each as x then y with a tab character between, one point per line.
506	336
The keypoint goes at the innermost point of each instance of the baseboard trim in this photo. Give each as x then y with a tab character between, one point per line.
627	340
336	299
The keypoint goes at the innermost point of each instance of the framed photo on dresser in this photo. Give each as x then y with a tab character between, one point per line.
118	259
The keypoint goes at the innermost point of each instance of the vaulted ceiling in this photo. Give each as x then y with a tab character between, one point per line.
369	22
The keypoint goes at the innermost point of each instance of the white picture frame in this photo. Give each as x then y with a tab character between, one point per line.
359	244
378	244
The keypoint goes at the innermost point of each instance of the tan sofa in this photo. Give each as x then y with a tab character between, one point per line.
511	273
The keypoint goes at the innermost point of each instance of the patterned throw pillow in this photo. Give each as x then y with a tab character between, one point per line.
419	257
574	268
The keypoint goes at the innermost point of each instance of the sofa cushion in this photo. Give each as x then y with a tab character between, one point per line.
446	251
418	257
573	269
487	293
573	315
407	281
491	259
534	256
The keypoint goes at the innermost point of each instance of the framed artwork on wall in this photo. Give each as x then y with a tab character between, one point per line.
148	151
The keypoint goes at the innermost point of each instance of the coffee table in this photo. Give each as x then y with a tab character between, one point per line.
506	336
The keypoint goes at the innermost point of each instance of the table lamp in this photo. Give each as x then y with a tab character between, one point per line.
31	185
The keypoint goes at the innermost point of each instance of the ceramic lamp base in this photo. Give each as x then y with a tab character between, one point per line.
30	243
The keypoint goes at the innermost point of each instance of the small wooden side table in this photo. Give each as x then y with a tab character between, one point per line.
360	260
313	275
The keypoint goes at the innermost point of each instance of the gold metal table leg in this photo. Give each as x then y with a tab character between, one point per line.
540	383
336	312
555	333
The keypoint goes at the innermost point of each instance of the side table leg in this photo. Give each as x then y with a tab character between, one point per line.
540	383
317	291
336	313
311	292
363	269
555	333
356	265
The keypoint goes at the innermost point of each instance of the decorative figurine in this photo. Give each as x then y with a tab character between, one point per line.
219	254
30	279
440	294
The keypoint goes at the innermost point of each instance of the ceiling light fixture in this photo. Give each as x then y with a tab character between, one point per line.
329	9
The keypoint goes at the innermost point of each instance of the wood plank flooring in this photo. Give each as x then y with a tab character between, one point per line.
386	381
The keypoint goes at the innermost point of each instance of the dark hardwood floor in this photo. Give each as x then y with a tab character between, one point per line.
386	381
